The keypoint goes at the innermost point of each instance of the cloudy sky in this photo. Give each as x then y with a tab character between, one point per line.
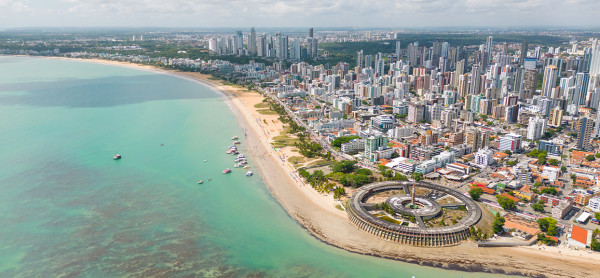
297	13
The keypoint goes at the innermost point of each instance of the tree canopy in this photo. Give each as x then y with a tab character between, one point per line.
475	193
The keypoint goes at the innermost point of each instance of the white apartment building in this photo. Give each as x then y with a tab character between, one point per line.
536	128
483	157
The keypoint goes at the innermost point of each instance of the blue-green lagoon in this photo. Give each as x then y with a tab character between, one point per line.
67	209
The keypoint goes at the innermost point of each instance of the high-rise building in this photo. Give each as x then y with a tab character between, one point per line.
379	67
261	46
374	143
510	142
238	43
582	81
252	42
398	50
476	138
536	128
524	47
484	157
368	61
595	58
549	82
597	127
475	82
281	46
489	44
556	116
459	70
295	49
413	53
359	59
584	138
213	45
416	112
530	80
313	45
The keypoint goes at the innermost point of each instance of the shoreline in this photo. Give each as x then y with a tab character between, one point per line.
316	213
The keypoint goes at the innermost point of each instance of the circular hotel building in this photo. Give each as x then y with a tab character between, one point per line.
414	213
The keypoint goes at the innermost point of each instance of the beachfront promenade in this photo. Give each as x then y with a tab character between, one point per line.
419	236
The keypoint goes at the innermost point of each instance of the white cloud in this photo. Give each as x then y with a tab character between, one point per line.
14	6
209	13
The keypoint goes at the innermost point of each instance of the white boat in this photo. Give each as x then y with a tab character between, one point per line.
249	173
117	156
205	160
241	156
237	142
200	182
234	138
238	165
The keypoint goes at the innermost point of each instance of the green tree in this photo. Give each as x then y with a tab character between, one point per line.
553	162
597	155
364	171
338	192
511	163
590	157
595	245
343	166
498	224
547	224
337	142
537	207
508	152
563	169
541	159
417	176
550	190
475	193
505	202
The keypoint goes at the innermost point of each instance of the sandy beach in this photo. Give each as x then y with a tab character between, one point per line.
317	213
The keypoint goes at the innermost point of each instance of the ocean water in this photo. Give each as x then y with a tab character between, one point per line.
67	209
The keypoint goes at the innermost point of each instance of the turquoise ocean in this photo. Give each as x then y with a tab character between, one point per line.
67	209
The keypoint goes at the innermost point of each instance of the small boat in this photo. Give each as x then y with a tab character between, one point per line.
238	165
237	142
205	160
227	171
162	145
241	156
249	173
234	138
246	167
117	156
200	182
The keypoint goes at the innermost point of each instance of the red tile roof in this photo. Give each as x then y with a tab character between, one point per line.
579	234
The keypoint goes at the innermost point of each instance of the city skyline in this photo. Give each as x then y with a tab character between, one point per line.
296	13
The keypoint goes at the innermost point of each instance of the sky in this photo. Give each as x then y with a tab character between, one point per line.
298	13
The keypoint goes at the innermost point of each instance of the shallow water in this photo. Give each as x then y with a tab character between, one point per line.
68	209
